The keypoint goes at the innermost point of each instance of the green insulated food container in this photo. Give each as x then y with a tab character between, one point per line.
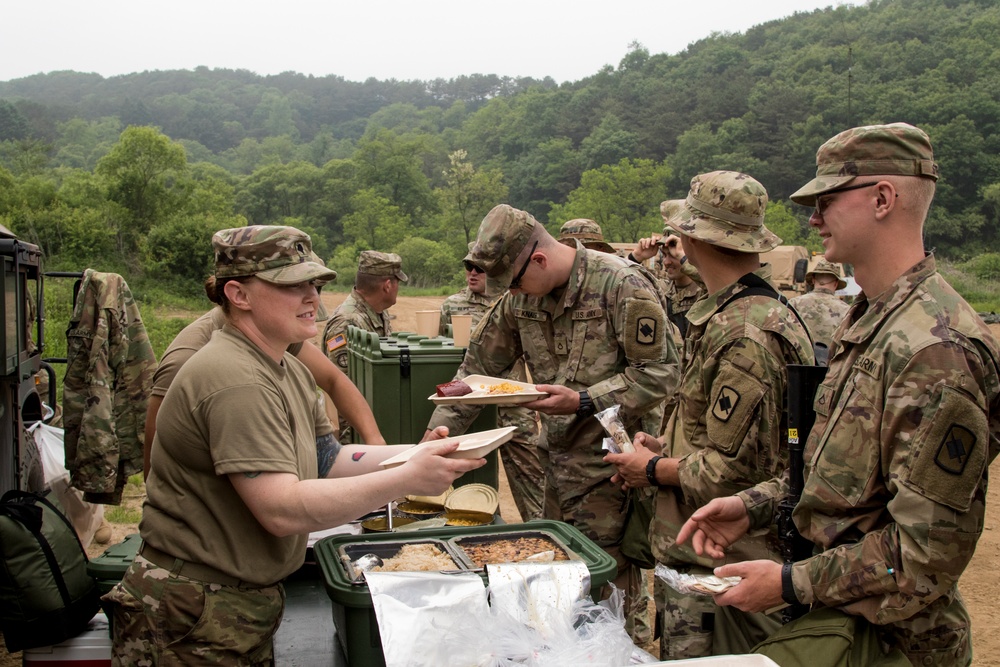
397	374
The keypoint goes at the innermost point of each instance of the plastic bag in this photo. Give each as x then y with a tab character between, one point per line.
85	517
694	584
612	423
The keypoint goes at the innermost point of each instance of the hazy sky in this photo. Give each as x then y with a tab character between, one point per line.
424	39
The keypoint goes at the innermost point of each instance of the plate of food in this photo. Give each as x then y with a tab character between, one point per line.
470	445
485	390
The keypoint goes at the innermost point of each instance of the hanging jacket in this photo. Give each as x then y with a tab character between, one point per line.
109	373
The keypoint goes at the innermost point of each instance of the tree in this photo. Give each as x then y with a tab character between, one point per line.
469	195
623	199
144	173
374	221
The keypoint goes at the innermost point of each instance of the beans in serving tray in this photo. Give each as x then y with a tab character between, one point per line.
510	550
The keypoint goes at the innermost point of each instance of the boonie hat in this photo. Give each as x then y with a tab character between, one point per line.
587	232
872	150
830	268
503	234
279	255
376	263
723	208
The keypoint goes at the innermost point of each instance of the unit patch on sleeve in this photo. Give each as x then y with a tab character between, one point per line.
725	404
645	324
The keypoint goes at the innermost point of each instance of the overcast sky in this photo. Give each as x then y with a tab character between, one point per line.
423	40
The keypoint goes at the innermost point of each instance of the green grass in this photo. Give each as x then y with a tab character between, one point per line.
982	294
122	514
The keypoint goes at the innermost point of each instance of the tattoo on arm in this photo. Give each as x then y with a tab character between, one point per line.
327	448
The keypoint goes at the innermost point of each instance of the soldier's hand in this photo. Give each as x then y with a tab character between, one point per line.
672	246
760	589
645	249
438	433
646	441
431	472
560	400
716	526
631	468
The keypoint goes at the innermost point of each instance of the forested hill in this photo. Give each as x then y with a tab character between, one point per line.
340	158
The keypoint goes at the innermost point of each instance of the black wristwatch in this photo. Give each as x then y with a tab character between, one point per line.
787	588
586	406
651	470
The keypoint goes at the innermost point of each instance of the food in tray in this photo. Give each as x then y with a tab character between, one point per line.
501	388
417	558
513	550
454	388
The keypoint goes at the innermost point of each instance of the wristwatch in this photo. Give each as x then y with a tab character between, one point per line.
651	470
787	588
586	406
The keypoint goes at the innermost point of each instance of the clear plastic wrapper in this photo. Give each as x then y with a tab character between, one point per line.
612	423
694	584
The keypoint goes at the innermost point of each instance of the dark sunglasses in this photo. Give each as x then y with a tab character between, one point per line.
825	199
516	282
472	268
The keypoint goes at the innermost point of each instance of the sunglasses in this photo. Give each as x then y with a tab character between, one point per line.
516	282
472	268
824	200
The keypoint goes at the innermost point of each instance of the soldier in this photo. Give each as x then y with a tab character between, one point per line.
592	323
725	432
376	287
586	232
244	467
520	455
820	309
906	422
683	285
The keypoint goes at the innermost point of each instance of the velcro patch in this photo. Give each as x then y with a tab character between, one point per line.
645	330
950	451
337	342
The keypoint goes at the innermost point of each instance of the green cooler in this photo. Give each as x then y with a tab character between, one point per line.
353	611
109	568
397	374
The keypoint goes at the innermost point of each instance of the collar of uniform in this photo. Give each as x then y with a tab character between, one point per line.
366	307
230	330
703	310
875	311
475	297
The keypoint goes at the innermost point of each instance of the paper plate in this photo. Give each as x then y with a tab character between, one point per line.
470	445
473	498
481	396
432	500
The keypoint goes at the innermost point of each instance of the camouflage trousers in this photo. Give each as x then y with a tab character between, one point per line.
163	619
520	461
693	626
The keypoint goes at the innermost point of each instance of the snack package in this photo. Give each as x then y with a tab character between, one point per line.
697	584
621	442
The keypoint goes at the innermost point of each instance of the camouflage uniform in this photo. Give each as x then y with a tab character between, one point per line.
520	455
819	308
356	311
907	423
728	429
585	231
109	372
203	588
680	299
822	313
605	333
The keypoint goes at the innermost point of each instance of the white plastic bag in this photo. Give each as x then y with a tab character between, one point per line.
85	517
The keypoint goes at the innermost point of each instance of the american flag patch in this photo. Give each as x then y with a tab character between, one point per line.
335	343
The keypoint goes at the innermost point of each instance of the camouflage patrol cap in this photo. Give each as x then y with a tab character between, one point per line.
723	208
873	150
376	263
587	232
503	234
280	255
830	268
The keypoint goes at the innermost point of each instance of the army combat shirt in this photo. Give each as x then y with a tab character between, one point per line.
822	312
727	427
354	310
907	423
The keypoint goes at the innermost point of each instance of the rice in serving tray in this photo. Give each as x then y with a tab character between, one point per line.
417	558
